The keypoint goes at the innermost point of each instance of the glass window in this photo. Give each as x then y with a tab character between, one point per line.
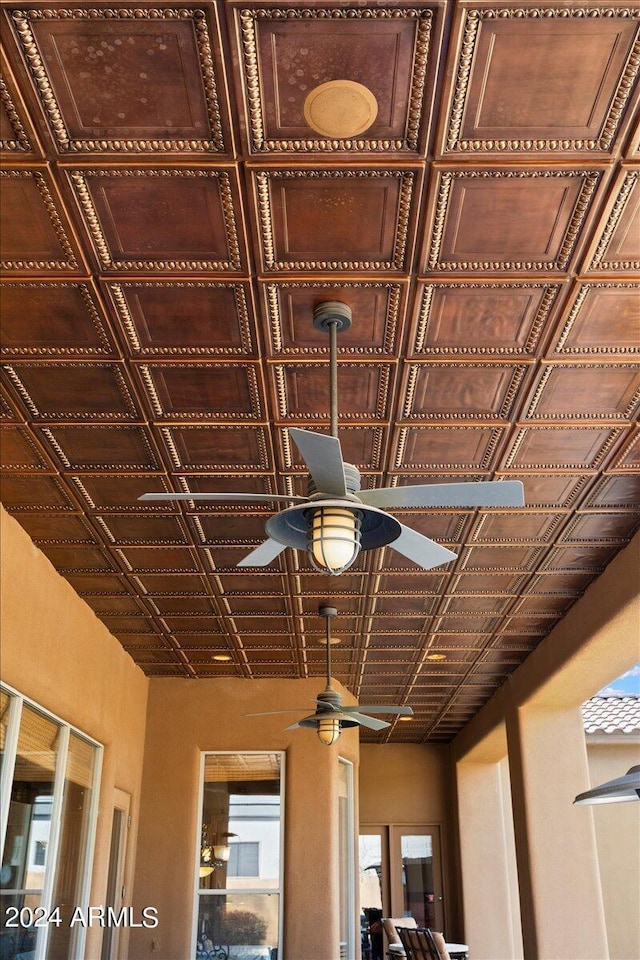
239	866
44	854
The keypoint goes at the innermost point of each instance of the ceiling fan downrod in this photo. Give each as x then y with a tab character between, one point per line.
332	317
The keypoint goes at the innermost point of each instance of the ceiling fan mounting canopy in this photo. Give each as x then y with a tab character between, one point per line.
337	520
332	313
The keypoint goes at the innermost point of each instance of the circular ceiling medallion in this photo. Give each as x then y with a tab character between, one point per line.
340	109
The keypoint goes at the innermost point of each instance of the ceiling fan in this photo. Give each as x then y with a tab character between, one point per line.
336	520
331	714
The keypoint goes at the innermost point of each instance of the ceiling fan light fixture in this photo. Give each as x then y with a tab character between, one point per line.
328	730
334	538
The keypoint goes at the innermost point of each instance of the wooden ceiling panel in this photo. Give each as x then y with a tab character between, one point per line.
173	318
550	490
63	529
25	493
302	391
78	558
136	218
568	447
17	137
289	306
219	391
583	557
618	244
361	445
88	584
35	236
169	222
119	493
19	452
601	527
450	448
507	219
513	527
601	318
163	585
586	392
64	319
124	79
470	391
73	391
231	528
621	492
101	448
287	56
544	84
168	606
504	319
228	449
306	216
138	530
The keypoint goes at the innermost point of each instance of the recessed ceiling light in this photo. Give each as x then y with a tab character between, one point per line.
221	657
436	656
405	719
332	641
340	109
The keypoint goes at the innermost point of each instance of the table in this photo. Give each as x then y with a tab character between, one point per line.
457	951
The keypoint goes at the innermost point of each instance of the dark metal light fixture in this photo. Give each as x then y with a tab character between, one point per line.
614	791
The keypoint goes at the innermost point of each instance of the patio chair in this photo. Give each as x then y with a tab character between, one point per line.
422	943
391	925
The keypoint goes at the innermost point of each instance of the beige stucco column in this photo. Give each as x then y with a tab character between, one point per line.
560	894
487	854
185	718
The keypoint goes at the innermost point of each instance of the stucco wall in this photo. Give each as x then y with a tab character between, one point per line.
57	652
618	842
185	718
408	783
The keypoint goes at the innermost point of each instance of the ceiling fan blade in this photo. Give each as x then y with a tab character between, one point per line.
249	497
489	493
426	553
263	554
379	708
323	456
369	722
298	723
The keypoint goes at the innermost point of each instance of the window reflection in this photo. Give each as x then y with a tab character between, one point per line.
417	878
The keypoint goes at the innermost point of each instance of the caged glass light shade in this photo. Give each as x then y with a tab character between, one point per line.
334	534
328	730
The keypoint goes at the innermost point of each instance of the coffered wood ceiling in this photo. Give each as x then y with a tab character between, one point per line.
169	221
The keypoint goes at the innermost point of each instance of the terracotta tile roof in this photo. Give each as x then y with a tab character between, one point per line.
611	714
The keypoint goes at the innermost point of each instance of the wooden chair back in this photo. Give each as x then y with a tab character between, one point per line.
418	944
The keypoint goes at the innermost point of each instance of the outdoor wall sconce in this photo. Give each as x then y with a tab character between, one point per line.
614	791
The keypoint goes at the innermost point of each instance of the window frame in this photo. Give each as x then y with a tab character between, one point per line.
197	892
17	701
